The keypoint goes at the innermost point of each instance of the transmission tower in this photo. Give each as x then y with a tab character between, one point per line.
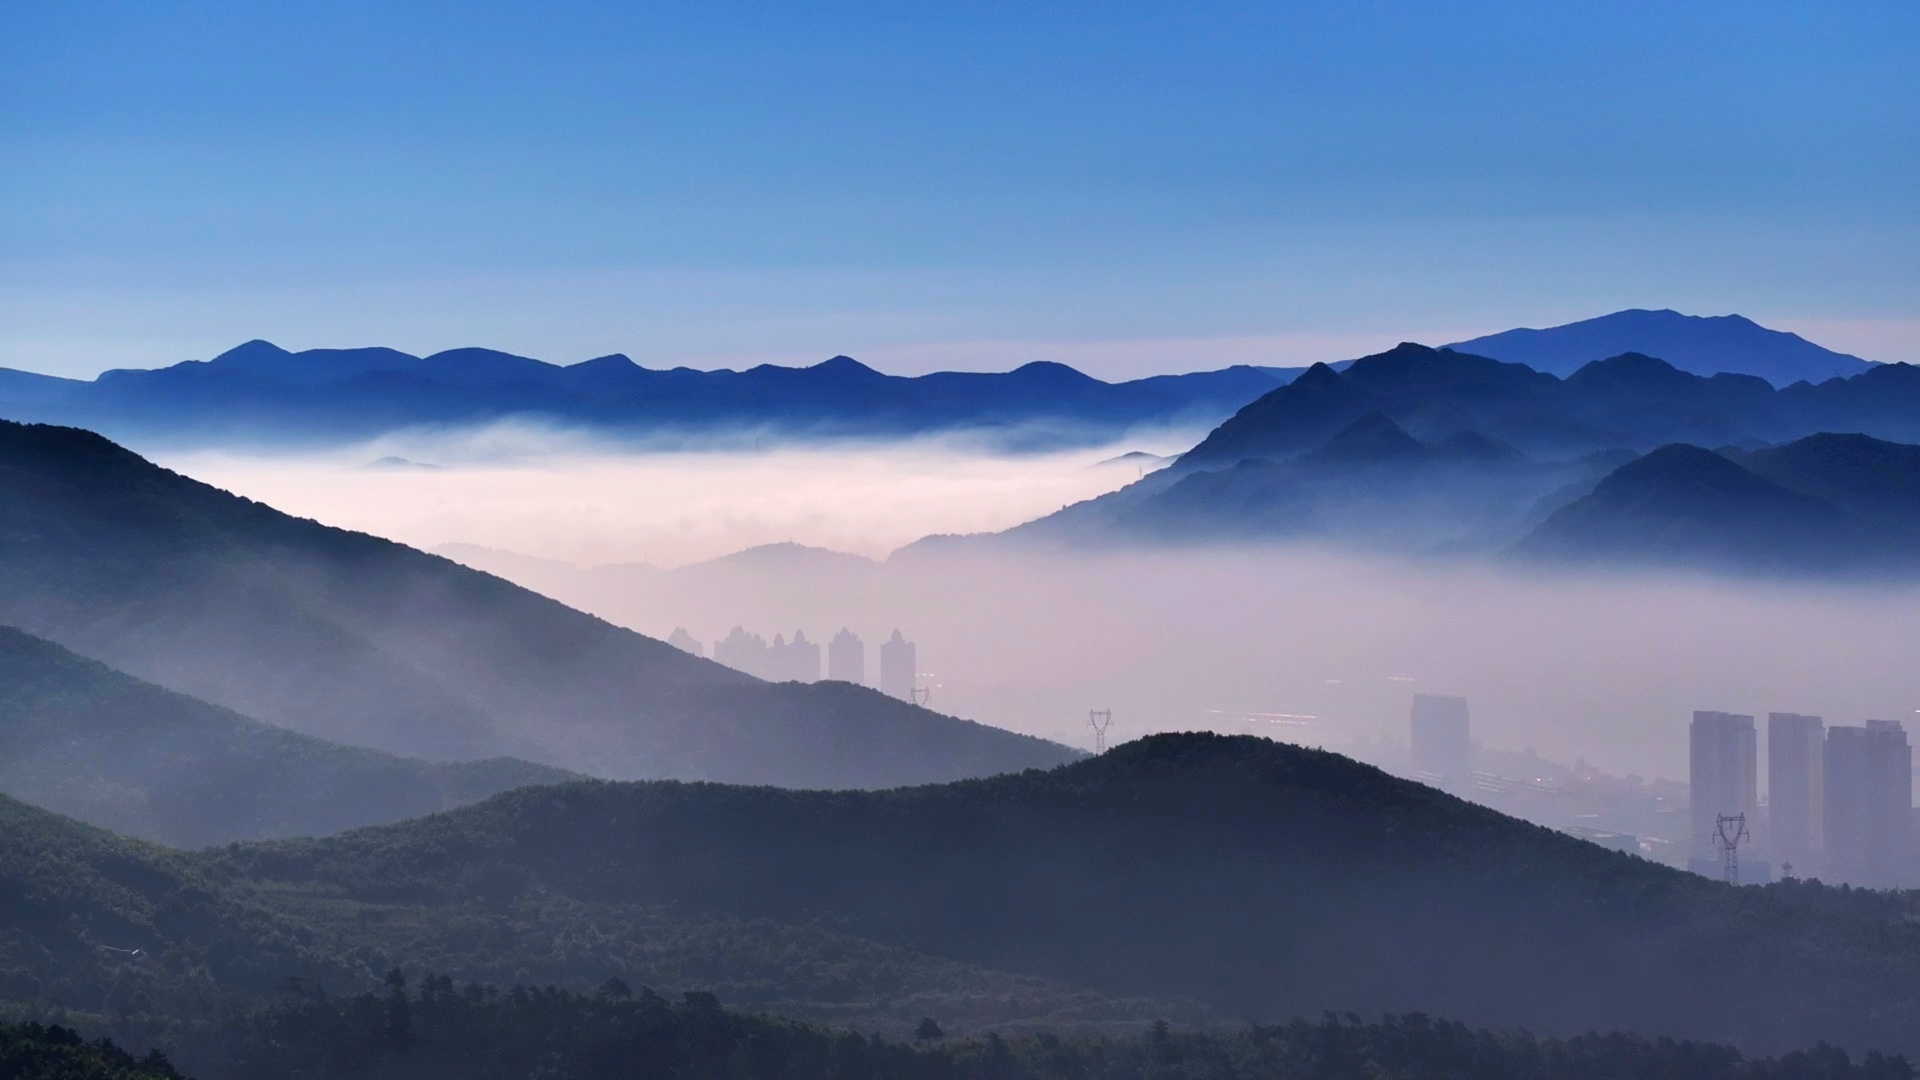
1729	832
922	695
1100	720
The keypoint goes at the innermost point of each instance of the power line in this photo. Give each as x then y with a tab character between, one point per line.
1100	720
1729	832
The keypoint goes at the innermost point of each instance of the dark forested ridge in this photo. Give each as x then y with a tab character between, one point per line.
33	1051
1263	879
446	1032
352	638
1247	877
1255	879
84	740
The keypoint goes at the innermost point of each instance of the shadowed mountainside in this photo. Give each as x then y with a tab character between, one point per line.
1826	504
352	638
1435	451
1631	401
84	740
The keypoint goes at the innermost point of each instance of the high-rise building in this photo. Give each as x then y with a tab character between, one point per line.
686	642
1868	805
1441	742
742	651
1723	771
898	662
1796	803
847	657
801	662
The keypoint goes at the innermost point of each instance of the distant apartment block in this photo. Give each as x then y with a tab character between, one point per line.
1723	770
742	651
899	660
847	658
1441	739
793	661
686	642
1868	805
1796	798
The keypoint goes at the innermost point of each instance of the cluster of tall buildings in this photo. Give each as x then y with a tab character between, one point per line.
799	660
1839	799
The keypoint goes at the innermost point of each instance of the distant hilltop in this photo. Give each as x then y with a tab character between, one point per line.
1701	345
261	393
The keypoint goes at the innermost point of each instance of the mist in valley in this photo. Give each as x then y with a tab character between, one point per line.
1317	644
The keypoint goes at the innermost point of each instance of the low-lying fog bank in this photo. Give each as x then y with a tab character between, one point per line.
565	497
1304	643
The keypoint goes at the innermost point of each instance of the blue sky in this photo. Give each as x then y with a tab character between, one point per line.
1125	187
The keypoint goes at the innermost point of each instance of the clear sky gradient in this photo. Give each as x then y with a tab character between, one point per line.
1129	188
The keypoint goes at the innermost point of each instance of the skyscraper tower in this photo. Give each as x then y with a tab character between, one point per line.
898	662
1868	805
1723	770
803	658
1441	742
847	658
686	642
1796	802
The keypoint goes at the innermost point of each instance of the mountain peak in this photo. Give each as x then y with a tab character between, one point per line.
844	366
1702	345
1374	438
249	353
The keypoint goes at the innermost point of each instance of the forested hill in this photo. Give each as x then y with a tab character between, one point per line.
360	640
85	740
1264	879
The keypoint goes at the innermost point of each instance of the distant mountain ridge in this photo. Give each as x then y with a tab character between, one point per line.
259	391
360	640
1702	345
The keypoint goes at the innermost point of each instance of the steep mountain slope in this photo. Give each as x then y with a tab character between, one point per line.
1371	485
1683	505
1630	400
1874	480
352	638
99	923
1265	879
1701	345
84	740
259	391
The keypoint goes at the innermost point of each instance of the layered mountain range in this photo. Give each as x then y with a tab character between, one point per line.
1628	459
355	639
259	393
